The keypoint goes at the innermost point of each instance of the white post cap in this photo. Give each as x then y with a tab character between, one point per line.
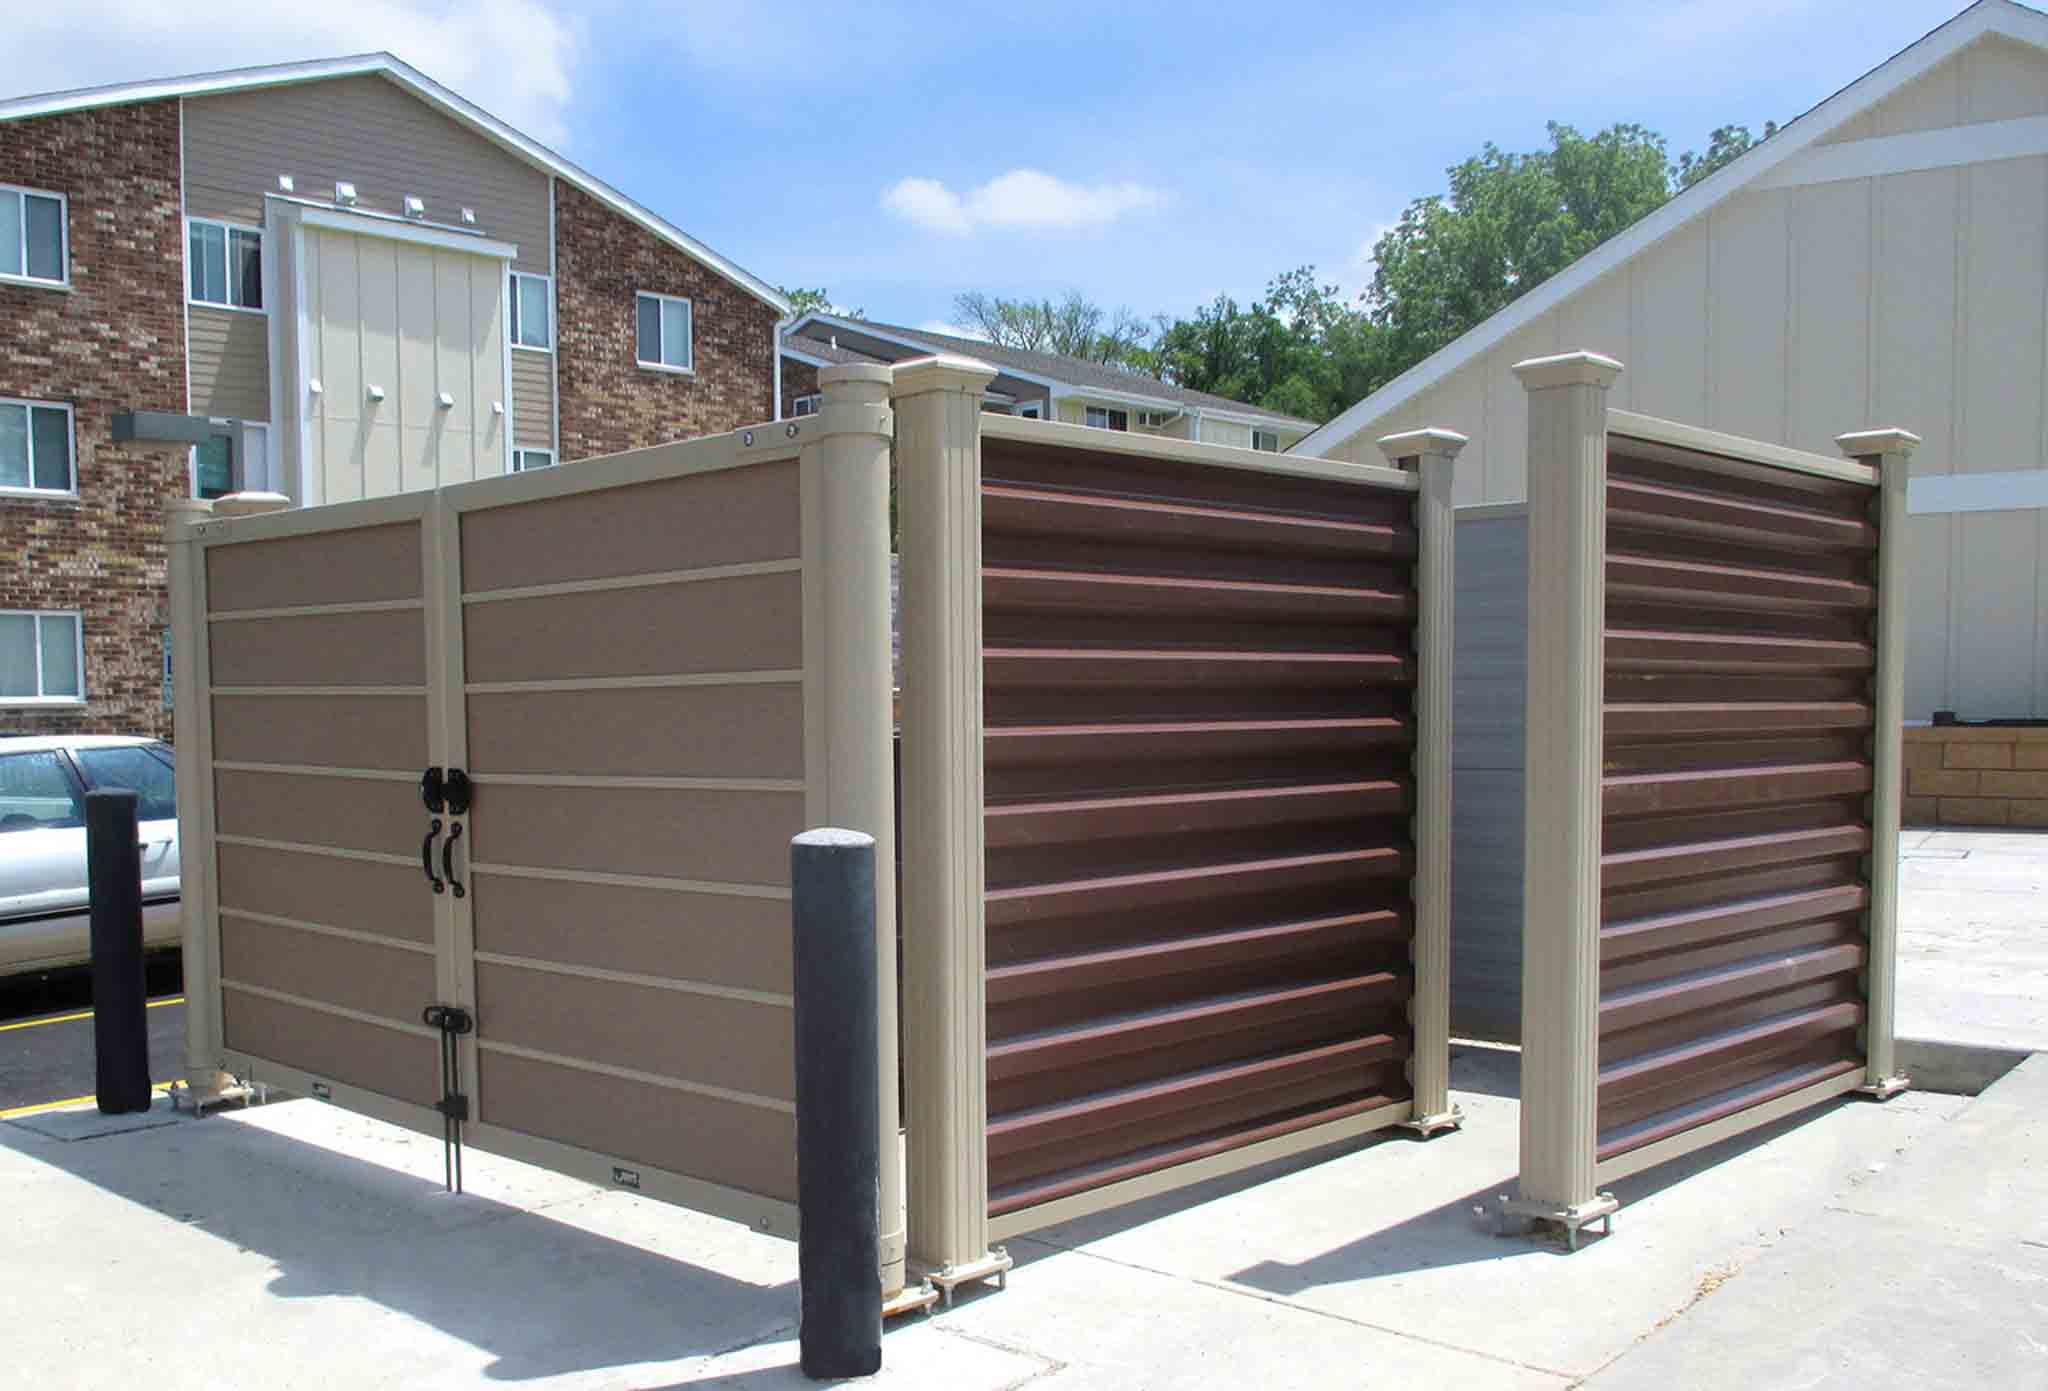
942	372
1411	444
250	504
1862	444
1567	369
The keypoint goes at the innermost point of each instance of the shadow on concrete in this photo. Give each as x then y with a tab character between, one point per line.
1467	1229
541	1297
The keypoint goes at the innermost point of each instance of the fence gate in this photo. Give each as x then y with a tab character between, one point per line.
532	750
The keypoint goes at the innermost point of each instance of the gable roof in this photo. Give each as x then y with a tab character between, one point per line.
1051	368
820	353
412	80
1986	17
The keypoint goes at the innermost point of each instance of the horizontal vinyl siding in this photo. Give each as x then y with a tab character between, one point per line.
533	400
230	363
1792	315
371	133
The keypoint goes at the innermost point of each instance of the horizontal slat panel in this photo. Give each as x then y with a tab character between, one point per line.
1620	941
357	565
748	623
370	731
349	813
1087	667
1708	788
333	1047
387	648
389	982
749	731
1052	591
740	1146
727	517
362	896
1735	717
723	837
1248	808
1638	649
717	939
1038	512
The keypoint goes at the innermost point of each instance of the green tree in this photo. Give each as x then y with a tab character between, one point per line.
1298	349
1071	327
1725	144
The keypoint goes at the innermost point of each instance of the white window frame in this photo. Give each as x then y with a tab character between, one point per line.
267	482
688	370
807	404
1273	435
71	443
228	230
1109	415
549	282
78	655
518	451
63	282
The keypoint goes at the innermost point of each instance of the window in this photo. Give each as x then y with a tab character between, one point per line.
33	236
35	448
40	658
1102	418
213	471
806	405
1266	440
38	793
524	459
662	332
532	321
225	263
141	769
1031	410
1153	420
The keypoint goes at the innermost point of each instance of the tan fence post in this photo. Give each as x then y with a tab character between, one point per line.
1890	452
938	462
204	1078
1561	908
849	528
1430	455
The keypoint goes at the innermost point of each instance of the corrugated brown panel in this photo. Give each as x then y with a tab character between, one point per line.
1198	690
1739	653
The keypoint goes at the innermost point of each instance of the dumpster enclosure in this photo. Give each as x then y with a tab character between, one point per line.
487	793
1714	673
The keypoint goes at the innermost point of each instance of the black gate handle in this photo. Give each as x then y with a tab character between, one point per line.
448	860
427	854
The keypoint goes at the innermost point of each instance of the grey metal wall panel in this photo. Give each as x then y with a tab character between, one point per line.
1488	737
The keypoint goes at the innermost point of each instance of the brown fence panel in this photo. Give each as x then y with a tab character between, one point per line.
1734	825
1198	688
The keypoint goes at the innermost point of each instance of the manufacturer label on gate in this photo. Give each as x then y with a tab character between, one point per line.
625	1178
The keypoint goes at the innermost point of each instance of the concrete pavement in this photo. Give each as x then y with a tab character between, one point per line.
1973	937
298	1245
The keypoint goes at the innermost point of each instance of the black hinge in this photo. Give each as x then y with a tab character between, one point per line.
453	1021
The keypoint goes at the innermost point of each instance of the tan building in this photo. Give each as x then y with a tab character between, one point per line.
333	280
1881	261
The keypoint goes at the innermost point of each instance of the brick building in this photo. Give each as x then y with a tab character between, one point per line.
341	280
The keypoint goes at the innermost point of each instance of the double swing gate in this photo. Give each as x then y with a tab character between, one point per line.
495	789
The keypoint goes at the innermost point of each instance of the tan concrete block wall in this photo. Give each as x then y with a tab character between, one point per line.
1976	776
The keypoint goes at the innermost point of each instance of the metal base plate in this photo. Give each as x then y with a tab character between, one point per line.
912	1299
1574	1219
1423	1127
1886	1089
994	1266
185	1098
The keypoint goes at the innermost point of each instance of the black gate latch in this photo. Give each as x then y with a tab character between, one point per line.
453	1021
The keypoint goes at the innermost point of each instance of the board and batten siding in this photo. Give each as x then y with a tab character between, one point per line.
1793	314
230	363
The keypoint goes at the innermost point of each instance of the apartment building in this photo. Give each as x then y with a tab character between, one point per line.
333	280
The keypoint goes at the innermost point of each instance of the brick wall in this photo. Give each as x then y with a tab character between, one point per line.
1981	775
116	341
798	379
607	402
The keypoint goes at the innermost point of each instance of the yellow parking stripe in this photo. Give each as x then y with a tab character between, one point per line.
82	1014
41	1107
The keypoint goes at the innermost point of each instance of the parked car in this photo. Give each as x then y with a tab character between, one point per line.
43	897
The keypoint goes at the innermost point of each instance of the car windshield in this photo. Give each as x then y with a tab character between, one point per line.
138	768
38	793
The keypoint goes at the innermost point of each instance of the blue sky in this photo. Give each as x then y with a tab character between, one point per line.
1150	156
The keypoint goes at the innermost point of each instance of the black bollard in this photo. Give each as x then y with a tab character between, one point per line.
113	870
838	1082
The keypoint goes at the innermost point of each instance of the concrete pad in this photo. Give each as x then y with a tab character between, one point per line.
1961	1069
1973	938
1933	1274
86	1122
1401	1234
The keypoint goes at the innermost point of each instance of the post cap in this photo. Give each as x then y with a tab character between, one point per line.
873	373
1411	443
250	504
942	372
1567	369
1861	444
833	838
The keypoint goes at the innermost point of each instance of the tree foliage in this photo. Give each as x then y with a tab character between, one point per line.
1071	327
1725	144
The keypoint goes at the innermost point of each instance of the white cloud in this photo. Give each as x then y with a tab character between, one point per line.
514	58
955	330
1020	198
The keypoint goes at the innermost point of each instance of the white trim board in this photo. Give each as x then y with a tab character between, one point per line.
2011	491
412	80
336	220
1981	20
1978	143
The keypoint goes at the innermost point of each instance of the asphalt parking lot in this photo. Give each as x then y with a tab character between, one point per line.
46	1041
